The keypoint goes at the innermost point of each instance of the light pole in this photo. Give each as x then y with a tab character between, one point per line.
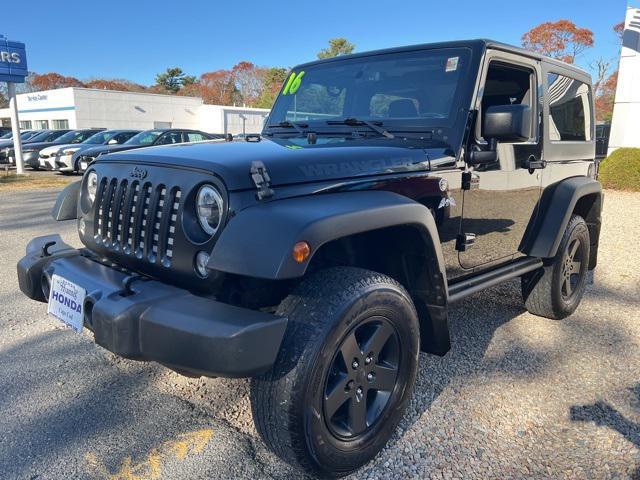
15	127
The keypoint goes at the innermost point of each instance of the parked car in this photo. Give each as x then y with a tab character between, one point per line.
41	136
67	158
37	154
147	138
603	130
7	143
311	260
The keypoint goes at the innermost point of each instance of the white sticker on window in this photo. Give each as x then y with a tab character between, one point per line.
452	64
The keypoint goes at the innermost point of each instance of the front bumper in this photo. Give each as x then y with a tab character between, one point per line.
63	163
143	319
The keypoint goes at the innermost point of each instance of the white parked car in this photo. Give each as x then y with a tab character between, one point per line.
48	155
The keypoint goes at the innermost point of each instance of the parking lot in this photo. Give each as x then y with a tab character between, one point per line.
518	396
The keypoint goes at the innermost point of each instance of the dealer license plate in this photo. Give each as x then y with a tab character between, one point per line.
66	302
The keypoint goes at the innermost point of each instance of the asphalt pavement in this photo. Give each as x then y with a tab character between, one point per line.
517	397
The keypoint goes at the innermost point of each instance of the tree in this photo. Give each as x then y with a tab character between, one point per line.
248	80
114	84
271	83
172	79
606	98
217	88
562	40
601	68
25	87
50	81
619	29
337	46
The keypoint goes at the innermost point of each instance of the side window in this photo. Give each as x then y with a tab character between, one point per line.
195	137
170	138
508	84
569	109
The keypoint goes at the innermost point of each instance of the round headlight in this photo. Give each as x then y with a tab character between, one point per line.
209	208
92	186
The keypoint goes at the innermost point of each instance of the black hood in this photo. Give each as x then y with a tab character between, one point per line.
290	161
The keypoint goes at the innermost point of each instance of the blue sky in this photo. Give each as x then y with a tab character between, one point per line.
136	39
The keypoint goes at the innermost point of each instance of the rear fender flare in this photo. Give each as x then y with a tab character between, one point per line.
557	203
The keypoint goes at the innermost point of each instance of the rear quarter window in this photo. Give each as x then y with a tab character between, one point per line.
569	109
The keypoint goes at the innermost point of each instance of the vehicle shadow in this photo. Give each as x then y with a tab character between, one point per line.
473	325
603	414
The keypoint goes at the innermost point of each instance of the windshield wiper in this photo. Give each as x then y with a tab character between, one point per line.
287	124
354	122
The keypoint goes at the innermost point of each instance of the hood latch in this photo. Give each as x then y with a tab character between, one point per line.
261	180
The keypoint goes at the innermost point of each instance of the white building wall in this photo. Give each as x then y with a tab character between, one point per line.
625	124
111	109
234	120
39	107
95	108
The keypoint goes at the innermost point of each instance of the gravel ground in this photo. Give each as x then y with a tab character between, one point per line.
518	396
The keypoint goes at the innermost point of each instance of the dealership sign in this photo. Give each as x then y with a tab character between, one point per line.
13	61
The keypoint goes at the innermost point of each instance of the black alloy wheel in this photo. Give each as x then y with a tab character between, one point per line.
363	373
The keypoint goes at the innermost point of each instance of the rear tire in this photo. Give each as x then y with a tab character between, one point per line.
344	374
555	291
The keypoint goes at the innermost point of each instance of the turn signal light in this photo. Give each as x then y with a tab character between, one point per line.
301	251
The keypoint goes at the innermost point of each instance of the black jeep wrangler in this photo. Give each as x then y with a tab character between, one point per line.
321	257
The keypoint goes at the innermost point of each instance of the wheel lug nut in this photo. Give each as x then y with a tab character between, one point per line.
371	376
355	364
367	360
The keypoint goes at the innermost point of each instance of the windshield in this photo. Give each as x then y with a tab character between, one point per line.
68	137
40	136
99	138
144	138
6	136
406	89
25	135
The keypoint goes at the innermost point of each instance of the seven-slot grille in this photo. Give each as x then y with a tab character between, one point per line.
137	218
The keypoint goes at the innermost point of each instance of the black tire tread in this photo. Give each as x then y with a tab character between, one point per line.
538	297
318	297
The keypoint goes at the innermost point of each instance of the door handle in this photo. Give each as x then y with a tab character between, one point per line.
534	164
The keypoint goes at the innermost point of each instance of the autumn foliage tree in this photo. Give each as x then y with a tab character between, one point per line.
50	81
114	84
218	87
562	40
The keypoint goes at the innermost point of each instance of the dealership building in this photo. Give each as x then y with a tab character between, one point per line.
77	108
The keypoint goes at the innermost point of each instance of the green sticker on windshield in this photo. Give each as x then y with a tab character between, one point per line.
293	83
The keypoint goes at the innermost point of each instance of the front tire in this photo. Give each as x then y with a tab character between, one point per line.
556	290
344	374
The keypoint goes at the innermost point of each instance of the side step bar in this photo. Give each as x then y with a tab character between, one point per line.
469	286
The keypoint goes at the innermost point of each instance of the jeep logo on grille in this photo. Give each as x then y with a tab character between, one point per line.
138	173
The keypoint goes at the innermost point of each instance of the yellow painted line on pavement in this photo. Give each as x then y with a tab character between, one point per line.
151	467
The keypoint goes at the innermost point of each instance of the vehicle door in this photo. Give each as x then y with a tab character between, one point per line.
503	195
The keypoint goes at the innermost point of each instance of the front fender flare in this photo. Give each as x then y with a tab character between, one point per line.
66	207
258	242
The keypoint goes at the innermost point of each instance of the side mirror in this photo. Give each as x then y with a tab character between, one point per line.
507	123
113	141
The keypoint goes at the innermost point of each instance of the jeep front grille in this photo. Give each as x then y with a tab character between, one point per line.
137	218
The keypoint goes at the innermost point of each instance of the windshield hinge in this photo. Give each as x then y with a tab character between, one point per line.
261	180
